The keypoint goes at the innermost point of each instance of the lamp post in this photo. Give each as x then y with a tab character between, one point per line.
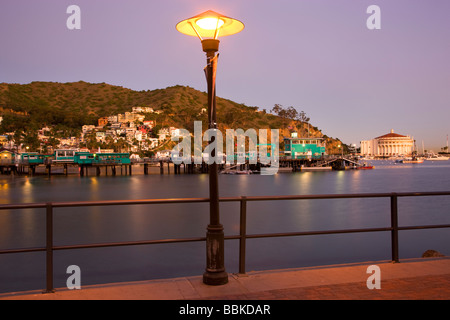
207	26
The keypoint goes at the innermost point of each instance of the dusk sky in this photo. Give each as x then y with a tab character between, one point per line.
317	56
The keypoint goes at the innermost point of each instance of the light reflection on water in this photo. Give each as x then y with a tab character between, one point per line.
25	228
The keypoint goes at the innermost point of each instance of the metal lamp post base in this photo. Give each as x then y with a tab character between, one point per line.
215	273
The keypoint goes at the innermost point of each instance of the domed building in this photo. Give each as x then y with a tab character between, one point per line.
391	144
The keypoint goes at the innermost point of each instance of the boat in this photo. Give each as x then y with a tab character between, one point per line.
367	167
436	157
236	172
412	160
244	171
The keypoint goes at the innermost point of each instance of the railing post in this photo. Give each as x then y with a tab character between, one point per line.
394	226
49	247
243	234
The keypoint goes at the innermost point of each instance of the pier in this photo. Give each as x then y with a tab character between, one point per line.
66	169
321	164
167	166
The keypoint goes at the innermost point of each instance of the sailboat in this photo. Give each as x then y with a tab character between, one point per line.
414	158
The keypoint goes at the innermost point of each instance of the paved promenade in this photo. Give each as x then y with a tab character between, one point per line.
418	279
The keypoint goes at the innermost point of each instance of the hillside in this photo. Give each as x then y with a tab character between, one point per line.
71	105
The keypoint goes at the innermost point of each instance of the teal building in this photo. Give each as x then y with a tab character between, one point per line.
304	148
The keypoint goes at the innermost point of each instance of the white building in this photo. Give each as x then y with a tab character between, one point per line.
391	144
142	109
87	128
112	119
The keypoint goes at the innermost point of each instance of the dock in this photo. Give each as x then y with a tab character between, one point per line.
65	169
322	164
167	166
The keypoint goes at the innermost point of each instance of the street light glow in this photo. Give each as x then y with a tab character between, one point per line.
207	24
210	23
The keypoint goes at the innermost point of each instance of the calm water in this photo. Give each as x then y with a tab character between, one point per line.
26	228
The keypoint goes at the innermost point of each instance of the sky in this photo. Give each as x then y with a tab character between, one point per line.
320	57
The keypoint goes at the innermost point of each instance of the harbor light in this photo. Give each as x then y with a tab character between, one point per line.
208	26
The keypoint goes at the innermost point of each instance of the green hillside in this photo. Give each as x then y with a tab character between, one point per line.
68	106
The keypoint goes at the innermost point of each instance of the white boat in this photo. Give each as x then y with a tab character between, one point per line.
436	157
412	160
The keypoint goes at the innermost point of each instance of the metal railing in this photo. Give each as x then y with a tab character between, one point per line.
394	228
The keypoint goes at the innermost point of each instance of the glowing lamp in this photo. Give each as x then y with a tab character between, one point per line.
207	26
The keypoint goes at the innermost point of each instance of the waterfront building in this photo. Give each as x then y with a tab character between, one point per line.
304	148
391	144
6	156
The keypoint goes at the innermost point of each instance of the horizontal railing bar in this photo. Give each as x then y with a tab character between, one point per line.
338	196
126	243
103	245
310	233
224	199
22	206
437	226
322	232
22	250
102	203
128	202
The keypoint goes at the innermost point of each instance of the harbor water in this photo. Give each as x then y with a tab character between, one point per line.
26	228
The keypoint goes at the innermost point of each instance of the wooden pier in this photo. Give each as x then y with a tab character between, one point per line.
8	169
320	164
66	169
189	168
168	167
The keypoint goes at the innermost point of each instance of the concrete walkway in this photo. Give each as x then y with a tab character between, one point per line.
408	280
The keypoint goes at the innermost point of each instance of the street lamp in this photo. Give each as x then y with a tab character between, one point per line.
207	26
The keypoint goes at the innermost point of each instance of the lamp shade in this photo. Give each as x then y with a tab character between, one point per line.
209	25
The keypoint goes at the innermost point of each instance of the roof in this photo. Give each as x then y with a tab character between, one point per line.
6	150
391	135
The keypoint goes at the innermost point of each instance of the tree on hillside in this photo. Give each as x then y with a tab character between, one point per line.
302	117
289	114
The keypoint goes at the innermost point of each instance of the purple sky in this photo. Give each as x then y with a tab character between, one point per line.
317	56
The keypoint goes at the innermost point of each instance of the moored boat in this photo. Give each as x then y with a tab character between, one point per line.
437	158
412	160
367	167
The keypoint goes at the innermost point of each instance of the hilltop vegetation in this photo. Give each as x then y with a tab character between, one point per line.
66	107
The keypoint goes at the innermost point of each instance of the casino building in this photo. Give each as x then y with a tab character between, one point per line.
391	144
